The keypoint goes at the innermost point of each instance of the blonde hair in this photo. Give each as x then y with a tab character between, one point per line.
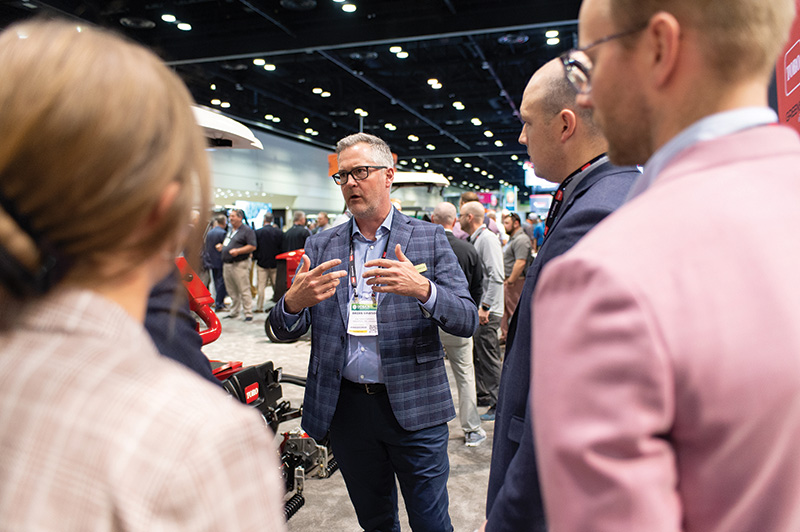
741	38
94	129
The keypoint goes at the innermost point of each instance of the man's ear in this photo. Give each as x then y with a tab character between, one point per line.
389	177
567	121
663	38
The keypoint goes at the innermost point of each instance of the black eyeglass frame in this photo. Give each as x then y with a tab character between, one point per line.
341	178
571	63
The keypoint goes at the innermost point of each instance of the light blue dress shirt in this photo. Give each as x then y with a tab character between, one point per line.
708	128
363	361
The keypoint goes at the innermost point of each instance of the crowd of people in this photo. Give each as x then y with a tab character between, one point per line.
647	378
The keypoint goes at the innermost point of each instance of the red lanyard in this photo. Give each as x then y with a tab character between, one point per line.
558	199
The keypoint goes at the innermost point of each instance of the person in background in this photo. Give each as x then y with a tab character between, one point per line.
212	258
568	148
490	223
486	351
458	349
375	349
323	222
666	358
296	236
236	250
269	242
538	233
516	257
98	431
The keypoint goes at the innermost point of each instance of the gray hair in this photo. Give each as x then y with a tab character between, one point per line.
380	150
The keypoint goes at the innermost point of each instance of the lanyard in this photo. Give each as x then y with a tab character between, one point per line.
558	199
352	266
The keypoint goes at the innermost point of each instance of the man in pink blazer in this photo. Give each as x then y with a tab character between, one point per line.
666	353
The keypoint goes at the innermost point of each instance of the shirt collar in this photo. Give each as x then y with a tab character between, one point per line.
384	228
708	128
578	176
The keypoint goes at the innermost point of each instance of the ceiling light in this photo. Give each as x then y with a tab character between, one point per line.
389	126
490	176
348	8
402	163
216	101
325	94
270	67
338	1
413	138
309	130
417	167
306	120
269	117
463	182
213	87
498	143
431	147
467	165
476	169
395	49
166	17
459	106
488	134
414	159
554	41
456	159
476	121
316	90
259	62
184	26
402	55
514	157
436	86
276	119
225	105
484	172
433	81
426	164
551	34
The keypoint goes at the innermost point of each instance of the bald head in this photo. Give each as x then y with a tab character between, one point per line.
445	215
471	216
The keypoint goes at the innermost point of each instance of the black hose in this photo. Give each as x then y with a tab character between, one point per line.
293	505
293	379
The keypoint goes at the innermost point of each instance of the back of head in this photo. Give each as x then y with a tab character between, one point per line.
468	196
444	214
380	150
220	219
99	130
740	38
299	217
268	218
474	208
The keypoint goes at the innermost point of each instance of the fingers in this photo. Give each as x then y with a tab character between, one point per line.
327	265
305	265
399	253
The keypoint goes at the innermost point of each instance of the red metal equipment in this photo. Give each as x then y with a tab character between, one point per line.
200	301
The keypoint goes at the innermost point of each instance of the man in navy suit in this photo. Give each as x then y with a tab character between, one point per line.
377	289
565	147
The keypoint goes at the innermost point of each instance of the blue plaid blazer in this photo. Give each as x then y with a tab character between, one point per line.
412	358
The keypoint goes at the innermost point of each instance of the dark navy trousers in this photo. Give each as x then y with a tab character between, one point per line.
373	450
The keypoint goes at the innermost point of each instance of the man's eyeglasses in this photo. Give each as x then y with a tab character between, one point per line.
578	66
359	173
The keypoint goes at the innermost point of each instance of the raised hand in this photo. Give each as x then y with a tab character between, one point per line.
397	277
312	286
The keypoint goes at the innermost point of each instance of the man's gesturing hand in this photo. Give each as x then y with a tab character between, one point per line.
311	287
397	276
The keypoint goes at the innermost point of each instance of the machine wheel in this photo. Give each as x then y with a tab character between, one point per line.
271	335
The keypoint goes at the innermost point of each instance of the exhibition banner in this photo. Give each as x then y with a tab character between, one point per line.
787	74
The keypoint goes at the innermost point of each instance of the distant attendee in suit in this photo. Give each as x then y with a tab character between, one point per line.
567	148
377	377
212	258
296	236
323	222
666	365
269	242
459	350
486	349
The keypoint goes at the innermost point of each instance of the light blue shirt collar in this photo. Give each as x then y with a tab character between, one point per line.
708	128
385	227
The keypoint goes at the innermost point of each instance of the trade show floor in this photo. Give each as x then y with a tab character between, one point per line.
327	506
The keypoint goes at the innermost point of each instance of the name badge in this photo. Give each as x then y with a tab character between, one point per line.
363	320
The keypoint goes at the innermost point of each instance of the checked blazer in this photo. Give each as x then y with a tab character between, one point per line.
412	358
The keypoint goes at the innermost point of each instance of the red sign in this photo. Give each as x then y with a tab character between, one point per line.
251	393
787	74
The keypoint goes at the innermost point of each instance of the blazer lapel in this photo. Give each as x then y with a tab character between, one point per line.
400	234
583	186
341	250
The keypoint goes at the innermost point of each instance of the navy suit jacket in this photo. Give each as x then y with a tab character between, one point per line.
514	501
212	259
411	354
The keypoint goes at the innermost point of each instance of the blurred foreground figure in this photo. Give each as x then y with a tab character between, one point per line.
97	430
666	355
